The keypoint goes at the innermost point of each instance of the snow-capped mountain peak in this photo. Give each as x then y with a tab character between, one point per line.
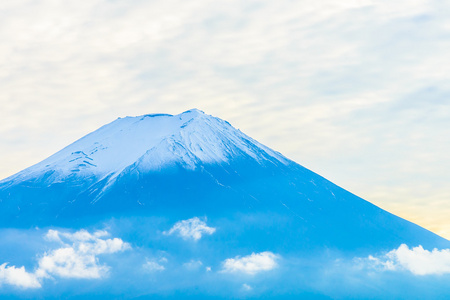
150	142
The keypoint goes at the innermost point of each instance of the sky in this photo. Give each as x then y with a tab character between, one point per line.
358	91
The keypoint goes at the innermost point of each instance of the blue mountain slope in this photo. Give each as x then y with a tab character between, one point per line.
194	164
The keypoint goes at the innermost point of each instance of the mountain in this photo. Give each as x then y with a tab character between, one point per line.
195	164
83	177
188	207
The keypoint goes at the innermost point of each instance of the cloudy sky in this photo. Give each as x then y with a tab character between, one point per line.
356	90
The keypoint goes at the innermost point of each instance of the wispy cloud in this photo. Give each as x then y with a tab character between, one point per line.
191	229
193	264
251	264
155	265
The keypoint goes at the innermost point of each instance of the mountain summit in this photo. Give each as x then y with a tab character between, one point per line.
178	166
150	142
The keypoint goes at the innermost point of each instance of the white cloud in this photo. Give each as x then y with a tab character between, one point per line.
52	236
246	287
251	264
193	264
153	266
191	229
417	260
77	258
18	277
70	263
